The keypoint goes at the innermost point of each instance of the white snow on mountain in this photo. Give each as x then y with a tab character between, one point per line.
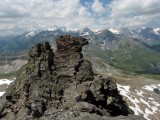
1	93
141	102
31	33
51	29
156	30
98	32
64	29
55	27
4	82
115	31
85	31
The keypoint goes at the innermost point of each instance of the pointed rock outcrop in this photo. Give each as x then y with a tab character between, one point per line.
61	86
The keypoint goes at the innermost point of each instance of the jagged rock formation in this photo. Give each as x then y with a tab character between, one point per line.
62	86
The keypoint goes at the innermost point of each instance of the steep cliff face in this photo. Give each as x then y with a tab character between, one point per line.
61	86
69	60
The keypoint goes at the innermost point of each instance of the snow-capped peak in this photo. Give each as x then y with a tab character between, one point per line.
85	31
55	27
115	31
156	31
31	33
64	29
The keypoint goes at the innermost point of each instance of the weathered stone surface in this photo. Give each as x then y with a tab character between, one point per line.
68	57
61	86
75	115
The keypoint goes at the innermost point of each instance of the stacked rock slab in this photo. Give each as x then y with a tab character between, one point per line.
61	86
69	60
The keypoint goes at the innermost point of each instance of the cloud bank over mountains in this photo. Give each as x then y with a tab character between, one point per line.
17	16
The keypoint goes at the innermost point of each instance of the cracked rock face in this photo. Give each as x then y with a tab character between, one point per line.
61	86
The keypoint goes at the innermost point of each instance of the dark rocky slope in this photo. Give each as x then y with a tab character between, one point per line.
62	86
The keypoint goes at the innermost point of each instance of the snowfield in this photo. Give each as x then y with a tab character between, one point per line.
155	30
3	82
141	101
114	31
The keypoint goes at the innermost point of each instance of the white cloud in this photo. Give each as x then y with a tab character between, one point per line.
98	7
43	14
134	13
137	21
17	16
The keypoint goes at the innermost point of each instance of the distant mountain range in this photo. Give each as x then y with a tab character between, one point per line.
148	35
125	52
136	50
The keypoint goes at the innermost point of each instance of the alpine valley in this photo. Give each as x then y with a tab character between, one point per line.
115	76
134	51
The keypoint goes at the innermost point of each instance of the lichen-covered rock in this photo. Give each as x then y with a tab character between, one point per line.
61	86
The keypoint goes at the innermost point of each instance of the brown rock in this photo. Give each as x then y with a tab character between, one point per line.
61	82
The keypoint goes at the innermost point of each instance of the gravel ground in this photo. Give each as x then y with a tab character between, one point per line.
141	97
138	93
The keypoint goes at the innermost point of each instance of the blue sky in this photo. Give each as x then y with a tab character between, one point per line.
17	16
104	2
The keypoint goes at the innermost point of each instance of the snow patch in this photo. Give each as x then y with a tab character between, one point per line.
147	113
156	31
140	93
1	93
5	81
143	101
98	32
147	87
151	98
31	33
140	103
150	87
86	33
115	31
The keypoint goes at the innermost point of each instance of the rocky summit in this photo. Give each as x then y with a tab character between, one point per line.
62	86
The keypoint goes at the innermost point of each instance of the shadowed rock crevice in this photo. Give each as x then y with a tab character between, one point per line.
61	86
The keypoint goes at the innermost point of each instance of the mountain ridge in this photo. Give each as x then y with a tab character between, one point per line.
105	44
50	87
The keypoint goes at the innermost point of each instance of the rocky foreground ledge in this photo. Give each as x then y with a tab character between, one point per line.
62	86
